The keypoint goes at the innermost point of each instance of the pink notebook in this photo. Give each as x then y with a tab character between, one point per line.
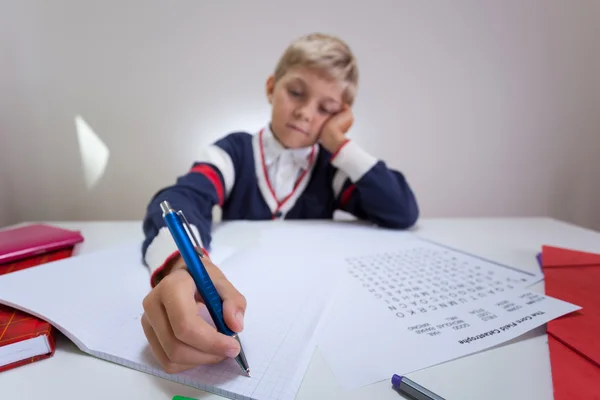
31	240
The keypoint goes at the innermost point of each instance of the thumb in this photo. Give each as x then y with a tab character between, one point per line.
234	303
234	306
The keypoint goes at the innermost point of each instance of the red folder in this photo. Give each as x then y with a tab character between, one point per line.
24	338
574	340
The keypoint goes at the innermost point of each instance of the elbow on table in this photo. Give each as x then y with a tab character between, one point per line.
404	215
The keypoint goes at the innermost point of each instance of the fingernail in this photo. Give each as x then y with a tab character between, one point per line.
240	317
232	352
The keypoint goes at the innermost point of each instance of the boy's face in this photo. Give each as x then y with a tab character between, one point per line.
302	100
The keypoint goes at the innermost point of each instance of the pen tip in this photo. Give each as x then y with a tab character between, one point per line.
248	372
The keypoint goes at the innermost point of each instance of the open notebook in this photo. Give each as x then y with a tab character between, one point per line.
96	301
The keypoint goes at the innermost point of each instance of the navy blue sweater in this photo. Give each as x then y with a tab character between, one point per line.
234	175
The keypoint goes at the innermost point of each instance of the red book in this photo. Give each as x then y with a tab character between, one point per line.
17	244
25	338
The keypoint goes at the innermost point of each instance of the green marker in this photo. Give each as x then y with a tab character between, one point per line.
182	398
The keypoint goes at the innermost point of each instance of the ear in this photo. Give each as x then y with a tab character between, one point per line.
270	88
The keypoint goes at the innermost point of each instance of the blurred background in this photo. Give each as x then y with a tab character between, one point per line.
489	108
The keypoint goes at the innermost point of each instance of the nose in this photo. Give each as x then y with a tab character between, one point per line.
303	112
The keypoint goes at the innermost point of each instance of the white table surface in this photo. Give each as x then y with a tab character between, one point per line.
517	370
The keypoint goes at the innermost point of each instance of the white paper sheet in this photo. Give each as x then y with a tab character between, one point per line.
96	301
419	305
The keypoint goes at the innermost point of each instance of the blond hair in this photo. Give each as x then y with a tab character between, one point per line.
326	54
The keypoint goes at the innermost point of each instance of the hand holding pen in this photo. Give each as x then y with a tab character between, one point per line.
179	338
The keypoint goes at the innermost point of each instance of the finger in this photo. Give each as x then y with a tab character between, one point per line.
155	306
157	351
174	349
346	120
186	326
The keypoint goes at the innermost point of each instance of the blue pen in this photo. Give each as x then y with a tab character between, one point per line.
191	253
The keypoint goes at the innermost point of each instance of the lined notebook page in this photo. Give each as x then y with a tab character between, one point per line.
96	300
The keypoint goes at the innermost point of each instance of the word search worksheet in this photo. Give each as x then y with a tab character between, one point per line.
417	304
422	278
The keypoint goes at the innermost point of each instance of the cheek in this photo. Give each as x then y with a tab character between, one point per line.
282	101
319	121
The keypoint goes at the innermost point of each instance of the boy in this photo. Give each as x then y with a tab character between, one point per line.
299	166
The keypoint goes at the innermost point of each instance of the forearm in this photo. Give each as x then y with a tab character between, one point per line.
367	188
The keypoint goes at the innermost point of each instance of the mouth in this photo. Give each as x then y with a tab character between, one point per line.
295	128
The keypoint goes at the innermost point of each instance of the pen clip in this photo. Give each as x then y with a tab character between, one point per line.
190	233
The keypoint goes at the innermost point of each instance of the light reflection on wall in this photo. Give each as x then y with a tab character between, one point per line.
94	153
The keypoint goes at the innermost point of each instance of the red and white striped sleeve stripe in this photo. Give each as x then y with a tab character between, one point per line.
215	157
163	249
